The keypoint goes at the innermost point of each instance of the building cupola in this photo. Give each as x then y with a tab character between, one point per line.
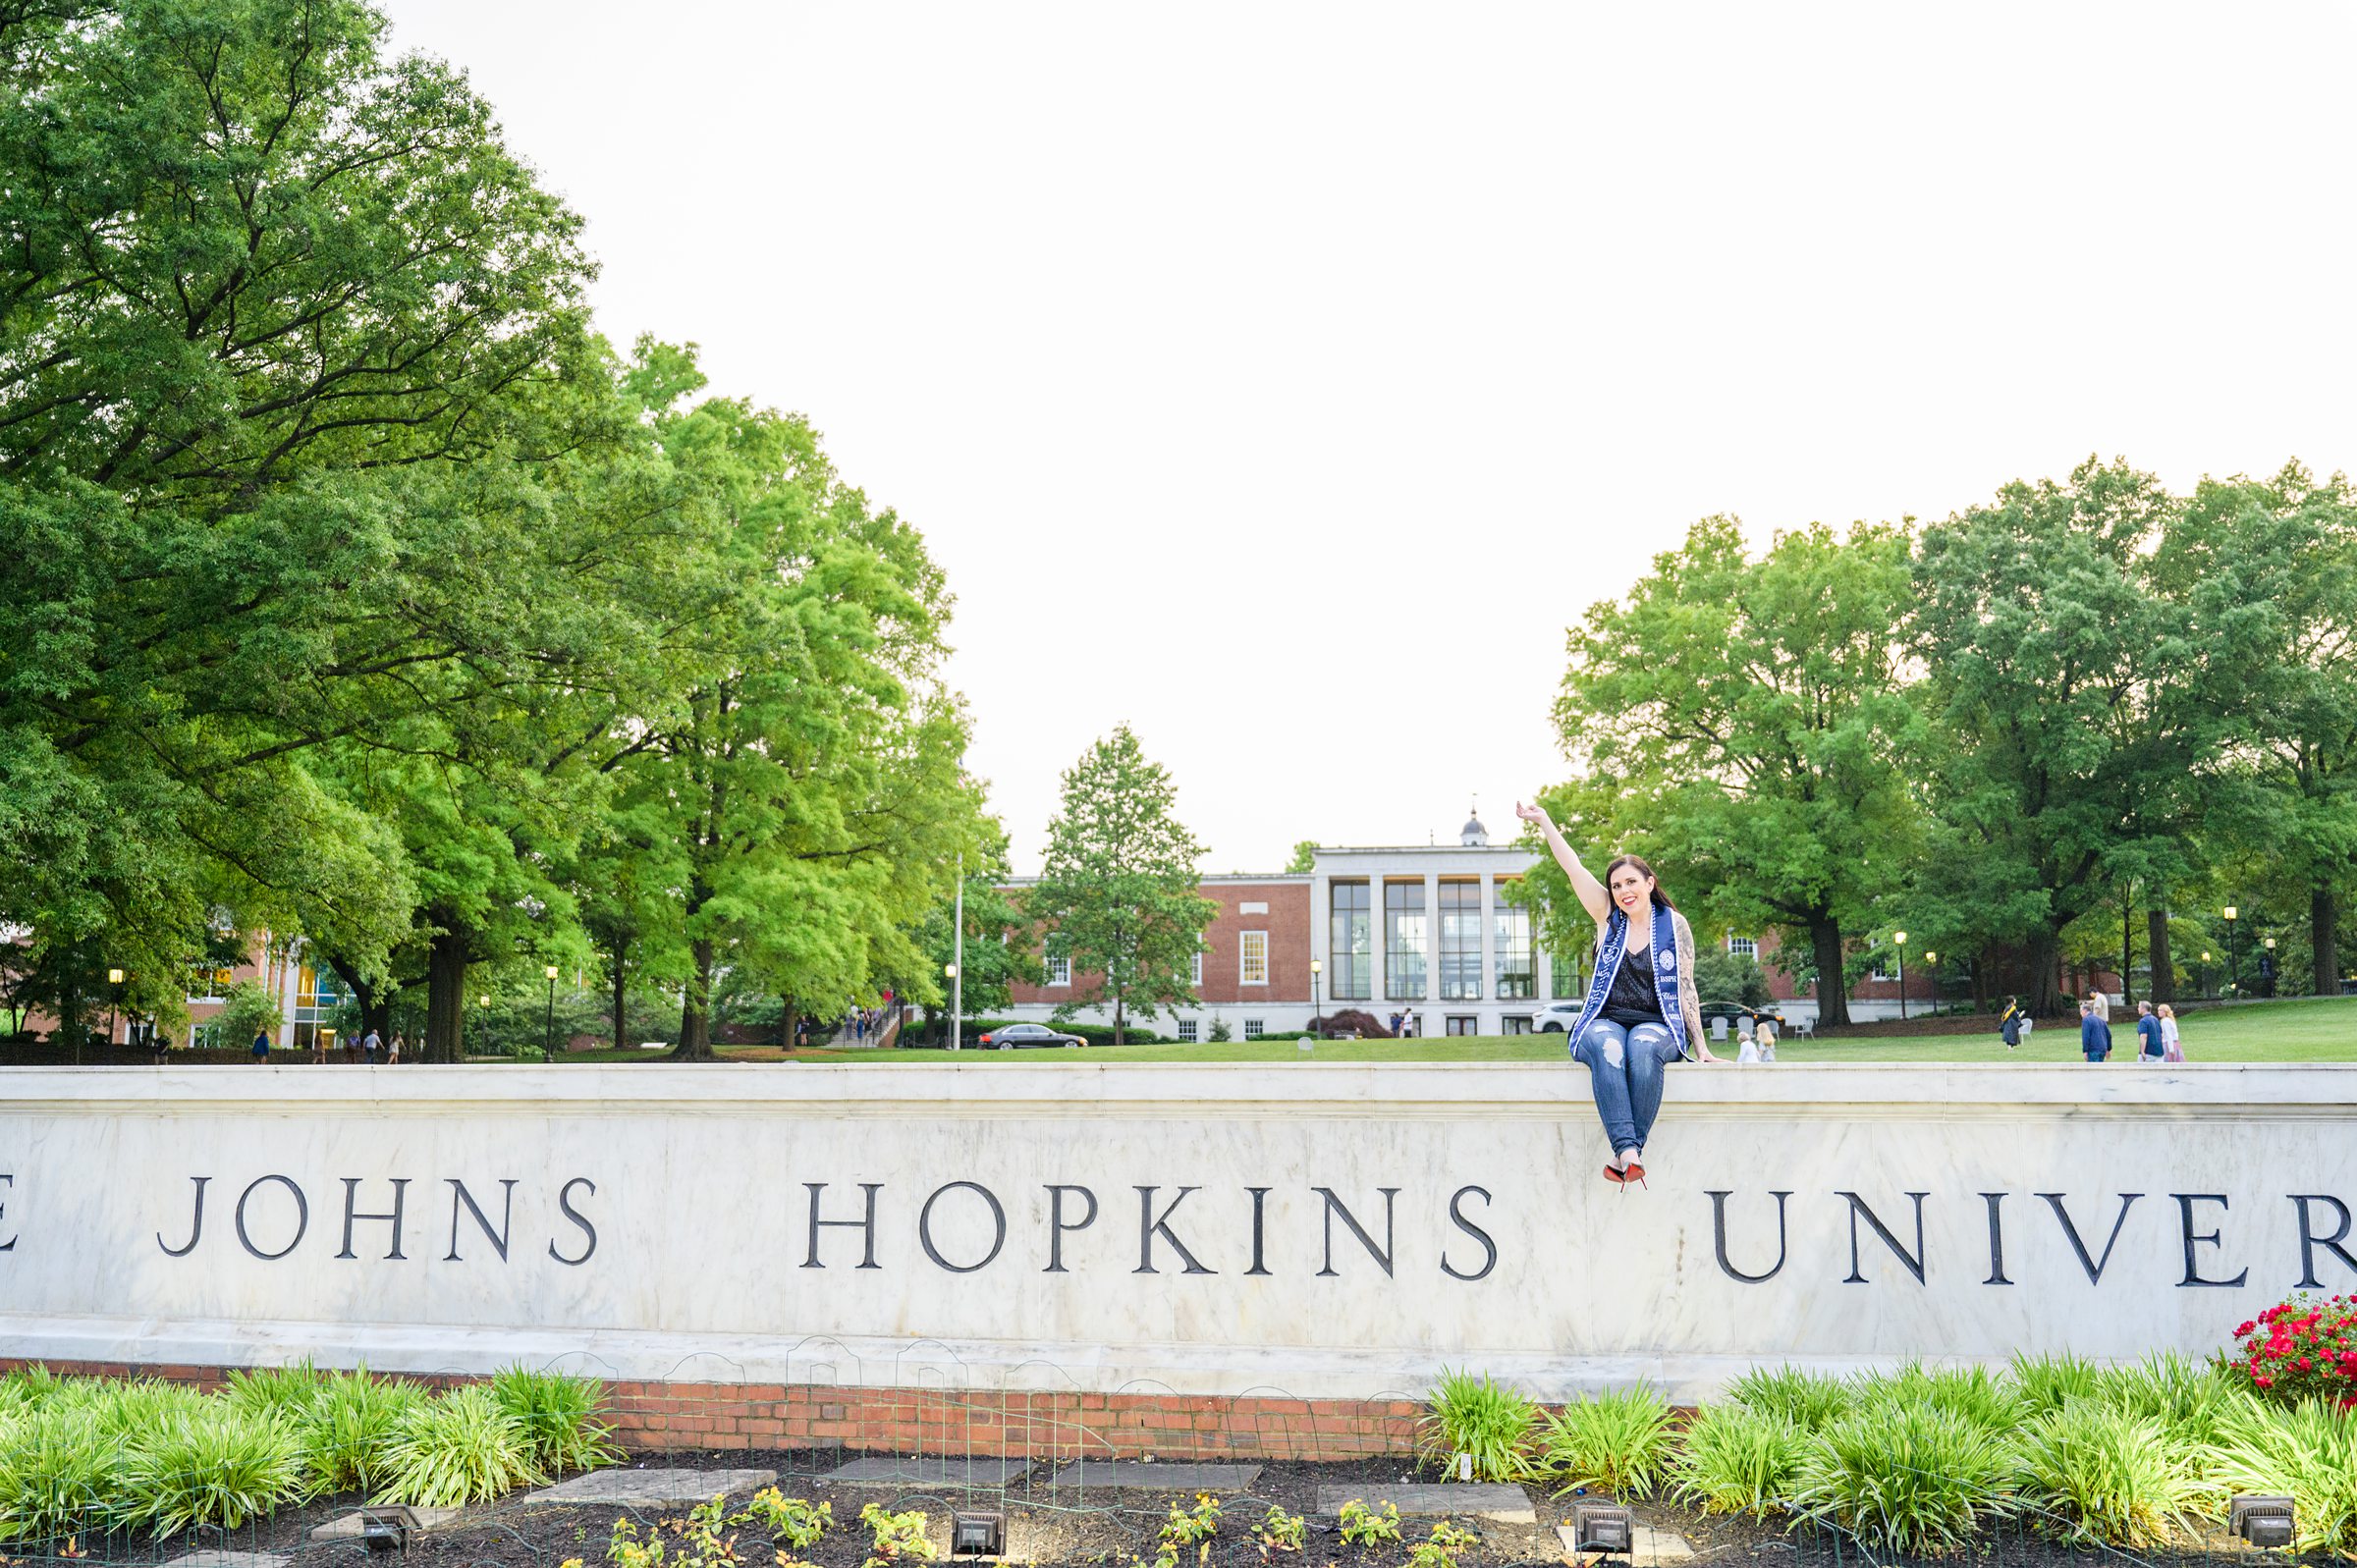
1473	835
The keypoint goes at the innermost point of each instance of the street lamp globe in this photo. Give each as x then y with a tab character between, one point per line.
2230	911
949	971
114	977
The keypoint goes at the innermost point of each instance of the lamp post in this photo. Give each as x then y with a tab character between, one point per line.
2204	971
1901	939
2234	971
2267	968
1930	972
1317	1004
956	1001
114	981
956	964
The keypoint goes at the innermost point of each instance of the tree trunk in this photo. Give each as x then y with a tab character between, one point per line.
2043	989
621	1028
444	996
789	1020
2156	948
1833	996
2324	916
2127	945
1117	1021
695	1009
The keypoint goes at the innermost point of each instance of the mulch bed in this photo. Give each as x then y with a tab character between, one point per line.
1104	1528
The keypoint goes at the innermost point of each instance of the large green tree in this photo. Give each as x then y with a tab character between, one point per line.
262	287
2078	707
1746	723
808	783
1119	889
2269	571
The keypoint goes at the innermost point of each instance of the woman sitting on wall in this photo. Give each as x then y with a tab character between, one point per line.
1641	1013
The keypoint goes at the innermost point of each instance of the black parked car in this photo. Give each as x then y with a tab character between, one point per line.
1021	1036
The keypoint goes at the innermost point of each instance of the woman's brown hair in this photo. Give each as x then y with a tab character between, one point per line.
1660	899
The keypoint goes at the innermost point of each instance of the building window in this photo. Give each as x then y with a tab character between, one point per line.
1252	1028
1461	941
1517	979
1186	1031
1350	943
1458	1024
1194	970
1403	940
1253	958
1515	1023
1060	967
1568	977
208	983
1743	947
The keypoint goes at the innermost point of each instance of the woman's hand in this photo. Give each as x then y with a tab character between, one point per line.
1534	812
1704	1055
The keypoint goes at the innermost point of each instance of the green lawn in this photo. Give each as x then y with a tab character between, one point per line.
2310	1029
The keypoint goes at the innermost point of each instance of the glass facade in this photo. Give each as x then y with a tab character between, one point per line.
1517	979
1566	978
1351	944
318	995
1461	941
1403	940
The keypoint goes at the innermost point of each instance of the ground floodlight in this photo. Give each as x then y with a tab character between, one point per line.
386	1530
2261	1520
977	1535
1601	1527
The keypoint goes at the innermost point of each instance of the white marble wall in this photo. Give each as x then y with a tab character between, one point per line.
694	1181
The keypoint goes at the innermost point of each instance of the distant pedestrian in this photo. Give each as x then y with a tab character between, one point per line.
1747	1044
2171	1051
2008	1024
370	1045
2151	1041
393	1050
1765	1035
261	1046
2094	1035
2103	1006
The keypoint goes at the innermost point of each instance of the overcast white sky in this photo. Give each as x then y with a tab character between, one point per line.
1285	378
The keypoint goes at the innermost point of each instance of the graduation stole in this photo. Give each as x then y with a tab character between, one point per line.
1666	978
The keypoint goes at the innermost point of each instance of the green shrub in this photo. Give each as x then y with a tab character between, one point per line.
349	1433
1367	1528
1807	1399
1735	1460
1907	1479
26	1389
1281	1531
1441	1550
895	1537
287	1391
559	1415
1968	1392
57	1475
791	1522
1619	1441
2308	1452
2097	1476
2046	1383
1469	1414
220	1466
2186	1399
462	1447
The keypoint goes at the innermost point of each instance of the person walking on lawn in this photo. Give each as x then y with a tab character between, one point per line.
1641	1013
2170	1050
2094	1035
2152	1040
2008	1024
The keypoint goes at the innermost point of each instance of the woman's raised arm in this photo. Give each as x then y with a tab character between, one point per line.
1592	896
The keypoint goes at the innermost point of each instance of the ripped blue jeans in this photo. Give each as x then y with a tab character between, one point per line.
1625	1066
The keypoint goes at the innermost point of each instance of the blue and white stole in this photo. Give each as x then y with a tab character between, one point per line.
1666	978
